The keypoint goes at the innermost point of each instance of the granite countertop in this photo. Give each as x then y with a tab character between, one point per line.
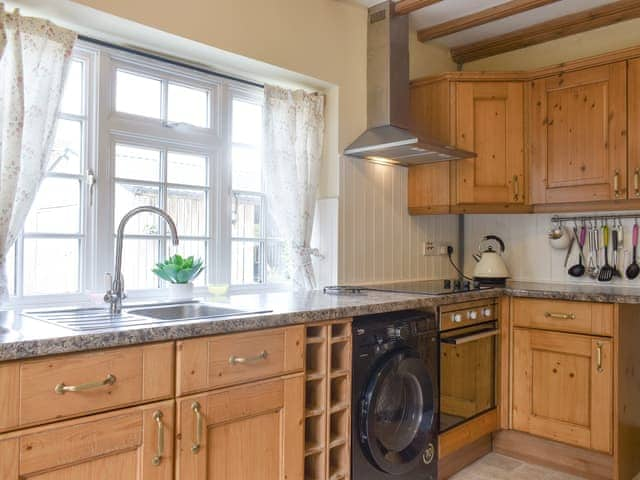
24	337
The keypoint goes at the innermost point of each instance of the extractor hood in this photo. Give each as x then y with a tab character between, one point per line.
388	138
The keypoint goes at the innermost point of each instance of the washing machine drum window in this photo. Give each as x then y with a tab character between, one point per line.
397	415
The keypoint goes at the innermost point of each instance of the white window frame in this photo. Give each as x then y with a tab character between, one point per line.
105	127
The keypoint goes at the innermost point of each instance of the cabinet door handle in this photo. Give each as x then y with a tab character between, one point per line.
61	388
195	448
599	367
616	183
157	416
560	316
636	182
516	188
233	360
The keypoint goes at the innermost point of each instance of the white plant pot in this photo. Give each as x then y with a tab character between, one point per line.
181	291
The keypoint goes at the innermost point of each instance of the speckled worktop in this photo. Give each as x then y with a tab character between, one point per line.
24	337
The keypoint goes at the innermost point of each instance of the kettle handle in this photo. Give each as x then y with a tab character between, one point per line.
497	239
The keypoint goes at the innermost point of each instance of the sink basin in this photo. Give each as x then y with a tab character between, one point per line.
94	318
190	311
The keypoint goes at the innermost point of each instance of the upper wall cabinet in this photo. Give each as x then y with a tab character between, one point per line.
490	122
633	92
484	117
578	143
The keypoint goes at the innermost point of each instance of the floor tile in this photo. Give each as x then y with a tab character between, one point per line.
500	467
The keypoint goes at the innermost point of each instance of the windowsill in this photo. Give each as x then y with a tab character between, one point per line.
134	296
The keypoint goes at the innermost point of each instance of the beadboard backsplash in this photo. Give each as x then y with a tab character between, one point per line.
378	240
529	255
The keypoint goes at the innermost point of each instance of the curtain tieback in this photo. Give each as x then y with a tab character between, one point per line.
307	252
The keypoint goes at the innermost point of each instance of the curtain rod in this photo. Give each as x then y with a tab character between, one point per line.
169	60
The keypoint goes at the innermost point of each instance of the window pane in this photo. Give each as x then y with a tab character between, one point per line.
247	122
247	169
195	248
66	152
188	208
246	262
132	196
138	259
277	262
186	169
188	105
50	266
137	163
56	208
246	216
73	89
11	270
138	95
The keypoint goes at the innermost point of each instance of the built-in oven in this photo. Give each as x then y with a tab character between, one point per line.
468	361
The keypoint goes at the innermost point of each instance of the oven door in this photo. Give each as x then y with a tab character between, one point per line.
468	362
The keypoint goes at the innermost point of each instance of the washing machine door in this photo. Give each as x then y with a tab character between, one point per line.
397	414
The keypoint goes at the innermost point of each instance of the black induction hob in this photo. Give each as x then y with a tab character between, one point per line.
422	287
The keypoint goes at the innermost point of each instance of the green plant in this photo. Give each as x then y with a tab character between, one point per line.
179	270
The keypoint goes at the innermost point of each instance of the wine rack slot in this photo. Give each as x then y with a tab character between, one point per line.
328	401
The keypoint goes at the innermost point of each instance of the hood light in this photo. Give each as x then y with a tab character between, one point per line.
383	160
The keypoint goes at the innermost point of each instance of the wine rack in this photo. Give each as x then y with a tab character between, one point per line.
328	401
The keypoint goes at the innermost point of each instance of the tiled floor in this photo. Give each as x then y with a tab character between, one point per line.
499	467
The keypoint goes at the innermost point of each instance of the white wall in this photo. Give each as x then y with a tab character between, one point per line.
529	254
380	241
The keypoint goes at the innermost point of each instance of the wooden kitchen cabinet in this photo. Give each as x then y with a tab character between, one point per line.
633	92
130	444
490	122
249	431
563	387
486	117
578	142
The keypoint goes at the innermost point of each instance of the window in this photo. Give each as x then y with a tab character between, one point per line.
134	132
48	255
257	256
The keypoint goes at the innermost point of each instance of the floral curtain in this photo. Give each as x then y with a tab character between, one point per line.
294	131
33	65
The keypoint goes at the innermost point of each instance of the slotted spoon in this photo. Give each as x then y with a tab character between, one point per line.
606	272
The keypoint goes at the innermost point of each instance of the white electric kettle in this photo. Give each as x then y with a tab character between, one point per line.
490	269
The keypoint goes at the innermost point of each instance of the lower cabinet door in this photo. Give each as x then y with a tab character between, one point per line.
130	444
563	387
253	431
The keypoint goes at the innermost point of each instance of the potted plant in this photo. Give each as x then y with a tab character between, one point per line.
180	273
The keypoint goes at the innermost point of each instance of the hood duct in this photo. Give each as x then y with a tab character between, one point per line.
388	138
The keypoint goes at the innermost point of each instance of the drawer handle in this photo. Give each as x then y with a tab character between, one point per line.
195	448
560	316
157	416
233	360
61	388
599	357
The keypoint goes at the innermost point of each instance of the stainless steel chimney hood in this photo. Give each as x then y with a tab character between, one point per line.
388	139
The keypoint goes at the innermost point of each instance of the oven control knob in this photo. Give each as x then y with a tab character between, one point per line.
487	312
472	315
456	318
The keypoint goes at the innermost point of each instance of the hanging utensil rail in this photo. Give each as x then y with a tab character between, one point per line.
593	218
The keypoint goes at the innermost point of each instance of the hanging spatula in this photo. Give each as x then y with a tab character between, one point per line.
606	272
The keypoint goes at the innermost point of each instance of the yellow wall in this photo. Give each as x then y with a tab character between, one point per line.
594	42
428	58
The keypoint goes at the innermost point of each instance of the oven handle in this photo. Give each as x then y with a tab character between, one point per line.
470	338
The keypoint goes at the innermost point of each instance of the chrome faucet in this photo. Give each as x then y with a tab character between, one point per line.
116	294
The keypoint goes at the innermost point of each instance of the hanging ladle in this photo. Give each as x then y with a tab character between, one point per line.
578	269
634	269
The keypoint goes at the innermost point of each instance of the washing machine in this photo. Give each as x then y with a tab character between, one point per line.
395	396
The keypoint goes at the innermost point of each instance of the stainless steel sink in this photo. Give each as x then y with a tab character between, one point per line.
189	311
92	319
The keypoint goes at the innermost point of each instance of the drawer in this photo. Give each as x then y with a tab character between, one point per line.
43	390
212	362
564	316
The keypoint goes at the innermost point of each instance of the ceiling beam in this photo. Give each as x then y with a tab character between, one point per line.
543	32
407	6
480	18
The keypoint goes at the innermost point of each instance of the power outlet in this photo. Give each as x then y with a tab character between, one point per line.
430	249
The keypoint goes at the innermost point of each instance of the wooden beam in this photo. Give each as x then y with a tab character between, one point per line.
480	18
543	32
407	6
